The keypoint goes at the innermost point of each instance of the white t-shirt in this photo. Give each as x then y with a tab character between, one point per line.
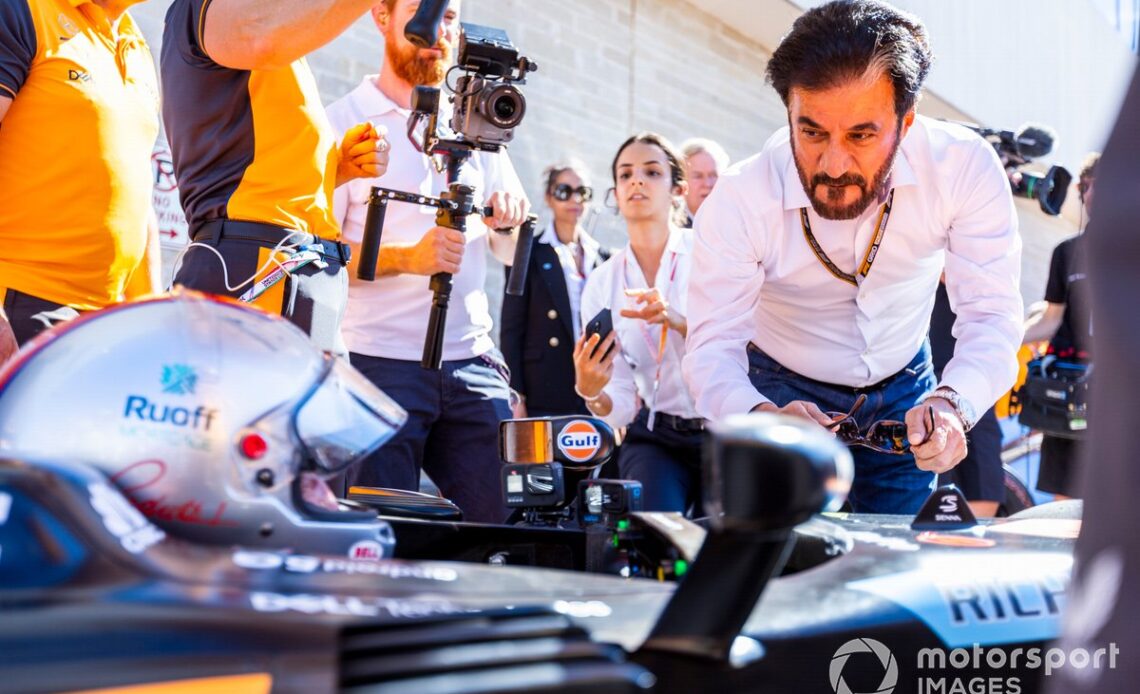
388	318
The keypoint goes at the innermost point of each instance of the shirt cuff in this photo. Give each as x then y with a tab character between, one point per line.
741	400
975	388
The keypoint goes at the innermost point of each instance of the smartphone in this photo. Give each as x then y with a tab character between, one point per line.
602	324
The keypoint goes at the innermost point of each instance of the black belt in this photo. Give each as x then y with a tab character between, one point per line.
269	235
678	424
855	391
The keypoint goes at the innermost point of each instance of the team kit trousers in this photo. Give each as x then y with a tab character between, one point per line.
313	298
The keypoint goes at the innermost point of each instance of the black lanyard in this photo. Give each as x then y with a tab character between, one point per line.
868	257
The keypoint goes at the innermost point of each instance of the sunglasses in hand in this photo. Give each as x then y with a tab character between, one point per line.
563	191
884	436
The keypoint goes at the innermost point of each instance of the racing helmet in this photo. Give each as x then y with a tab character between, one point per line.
220	422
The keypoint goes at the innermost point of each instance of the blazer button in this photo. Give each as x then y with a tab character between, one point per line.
552	314
554	342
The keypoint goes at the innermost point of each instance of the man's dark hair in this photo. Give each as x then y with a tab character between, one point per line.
837	42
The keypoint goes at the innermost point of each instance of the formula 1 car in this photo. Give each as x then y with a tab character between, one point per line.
772	597
164	517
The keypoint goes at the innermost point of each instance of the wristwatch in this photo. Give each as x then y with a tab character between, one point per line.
961	405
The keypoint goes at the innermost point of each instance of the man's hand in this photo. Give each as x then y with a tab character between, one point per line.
654	309
946	445
363	153
440	250
797	408
8	346
509	210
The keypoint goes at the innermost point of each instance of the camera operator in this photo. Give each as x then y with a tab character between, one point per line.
1067	324
453	413
819	257
255	157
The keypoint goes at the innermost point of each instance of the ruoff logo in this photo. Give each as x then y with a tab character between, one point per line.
579	441
886	660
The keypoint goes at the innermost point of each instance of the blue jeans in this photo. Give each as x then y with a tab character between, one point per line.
452	430
884	483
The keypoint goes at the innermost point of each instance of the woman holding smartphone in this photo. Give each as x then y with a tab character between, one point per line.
632	376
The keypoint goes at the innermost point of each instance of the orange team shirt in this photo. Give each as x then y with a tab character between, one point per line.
75	147
248	145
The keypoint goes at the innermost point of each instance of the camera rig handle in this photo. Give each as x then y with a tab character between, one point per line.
453	208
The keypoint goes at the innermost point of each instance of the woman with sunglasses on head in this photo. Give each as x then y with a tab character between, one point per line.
539	327
632	376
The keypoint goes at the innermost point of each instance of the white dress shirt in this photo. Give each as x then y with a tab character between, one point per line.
761	282
575	277
635	369
388	318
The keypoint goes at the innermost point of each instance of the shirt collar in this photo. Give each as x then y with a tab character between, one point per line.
550	237
795	197
373	102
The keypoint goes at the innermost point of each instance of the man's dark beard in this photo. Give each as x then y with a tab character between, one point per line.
835	211
415	69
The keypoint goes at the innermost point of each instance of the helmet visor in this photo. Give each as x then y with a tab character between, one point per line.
346	418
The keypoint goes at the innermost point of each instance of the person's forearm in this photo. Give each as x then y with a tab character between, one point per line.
1040	328
392	260
503	246
267	34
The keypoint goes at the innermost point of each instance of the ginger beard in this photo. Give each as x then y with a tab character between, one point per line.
831	206
414	67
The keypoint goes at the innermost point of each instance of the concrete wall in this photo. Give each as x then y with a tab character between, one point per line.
609	68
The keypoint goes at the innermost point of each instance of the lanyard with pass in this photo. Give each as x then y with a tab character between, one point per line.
868	257
661	343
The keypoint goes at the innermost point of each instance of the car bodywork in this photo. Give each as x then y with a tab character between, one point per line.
93	595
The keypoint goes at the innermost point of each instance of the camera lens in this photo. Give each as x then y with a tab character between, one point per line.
503	105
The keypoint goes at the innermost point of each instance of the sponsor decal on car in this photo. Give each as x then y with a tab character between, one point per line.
306	564
989	598
579	441
352	606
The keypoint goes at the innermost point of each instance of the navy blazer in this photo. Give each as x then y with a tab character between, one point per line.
537	338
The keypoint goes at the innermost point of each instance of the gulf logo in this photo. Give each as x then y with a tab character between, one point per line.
579	441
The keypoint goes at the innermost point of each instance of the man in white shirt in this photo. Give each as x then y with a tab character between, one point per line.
453	413
819	258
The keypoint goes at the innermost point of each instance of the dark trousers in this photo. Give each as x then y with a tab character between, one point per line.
667	462
884	483
30	315
312	298
452	431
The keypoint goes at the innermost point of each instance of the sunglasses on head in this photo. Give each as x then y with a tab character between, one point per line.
563	191
884	436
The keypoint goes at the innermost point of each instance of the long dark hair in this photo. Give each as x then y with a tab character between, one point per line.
840	41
